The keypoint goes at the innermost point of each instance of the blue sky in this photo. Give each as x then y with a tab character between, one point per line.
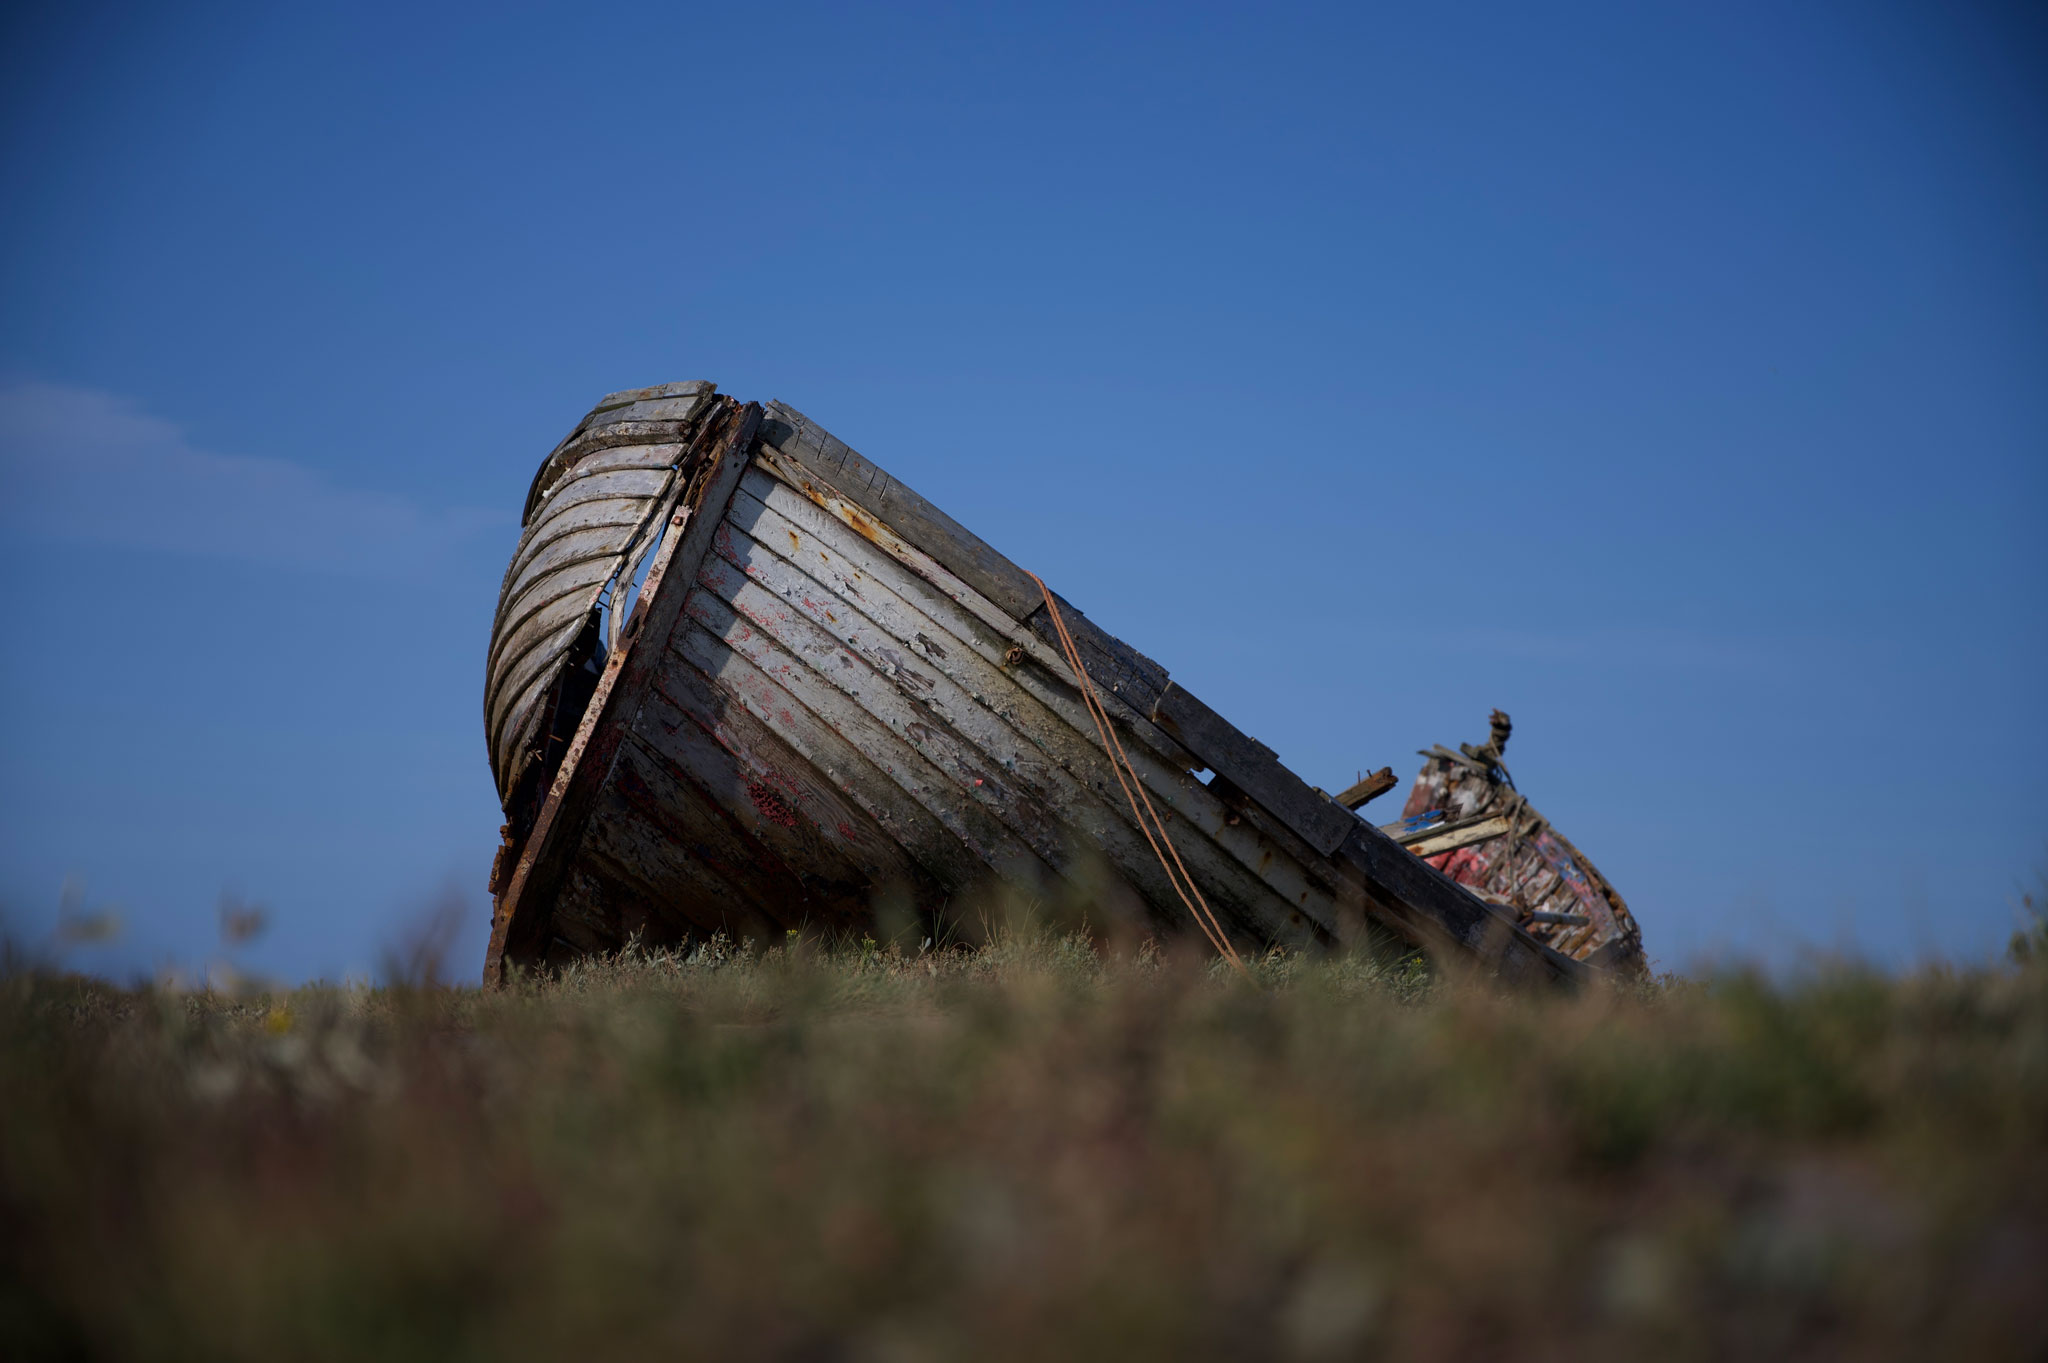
1673	377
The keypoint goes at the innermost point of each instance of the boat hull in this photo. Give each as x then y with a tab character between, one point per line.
830	696
1523	863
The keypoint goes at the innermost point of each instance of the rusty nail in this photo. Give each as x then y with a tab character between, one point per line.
1014	656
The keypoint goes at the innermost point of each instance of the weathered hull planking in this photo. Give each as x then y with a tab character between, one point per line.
827	691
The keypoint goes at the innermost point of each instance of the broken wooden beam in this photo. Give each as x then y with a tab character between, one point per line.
1432	839
1369	789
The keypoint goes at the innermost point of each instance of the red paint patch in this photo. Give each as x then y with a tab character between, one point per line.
846	830
769	801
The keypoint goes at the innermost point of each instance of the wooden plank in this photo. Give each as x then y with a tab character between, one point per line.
581	924
943	857
1430	842
927	587
633	484
597	909
786	804
583	568
988	760
1113	665
980	829
763	849
580	532
529	673
1019	639
1427	824
646	409
1116	666
629	879
1274	852
1252	767
605	538
1046	740
900	508
616	516
627	396
637	455
569	593
699	872
1368	789
584	446
1051	763
519	925
566	554
841	683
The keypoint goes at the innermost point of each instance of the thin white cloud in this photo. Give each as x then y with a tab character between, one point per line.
82	465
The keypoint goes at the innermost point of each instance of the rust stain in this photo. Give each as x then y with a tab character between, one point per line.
862	526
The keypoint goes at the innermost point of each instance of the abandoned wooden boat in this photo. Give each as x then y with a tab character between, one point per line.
1465	817
741	679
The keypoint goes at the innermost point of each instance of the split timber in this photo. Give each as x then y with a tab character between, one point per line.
827	691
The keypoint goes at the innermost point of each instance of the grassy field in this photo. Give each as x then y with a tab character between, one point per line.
1026	1151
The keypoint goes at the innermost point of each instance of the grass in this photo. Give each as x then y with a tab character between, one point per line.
1026	1151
